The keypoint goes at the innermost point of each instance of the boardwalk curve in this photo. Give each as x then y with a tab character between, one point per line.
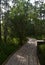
27	55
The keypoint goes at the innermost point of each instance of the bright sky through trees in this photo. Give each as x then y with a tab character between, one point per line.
32	1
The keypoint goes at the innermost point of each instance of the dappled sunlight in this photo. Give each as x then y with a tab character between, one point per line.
21	59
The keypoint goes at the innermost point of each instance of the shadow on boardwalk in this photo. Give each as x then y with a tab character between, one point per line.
27	55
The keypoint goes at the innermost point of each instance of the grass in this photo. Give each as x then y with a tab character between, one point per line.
6	49
41	53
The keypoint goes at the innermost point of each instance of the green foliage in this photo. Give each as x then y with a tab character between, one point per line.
6	49
41	53
23	20
17	21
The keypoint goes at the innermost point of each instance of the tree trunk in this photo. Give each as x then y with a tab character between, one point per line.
5	33
0	20
0	32
21	41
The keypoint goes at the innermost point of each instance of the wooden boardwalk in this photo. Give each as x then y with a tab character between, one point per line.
27	55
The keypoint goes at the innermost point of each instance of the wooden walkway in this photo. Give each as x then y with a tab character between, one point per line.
27	55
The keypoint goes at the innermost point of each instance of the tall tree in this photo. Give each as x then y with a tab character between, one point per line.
19	18
6	5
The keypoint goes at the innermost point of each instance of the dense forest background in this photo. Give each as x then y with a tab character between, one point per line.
20	19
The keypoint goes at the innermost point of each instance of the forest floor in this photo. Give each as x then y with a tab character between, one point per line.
27	55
